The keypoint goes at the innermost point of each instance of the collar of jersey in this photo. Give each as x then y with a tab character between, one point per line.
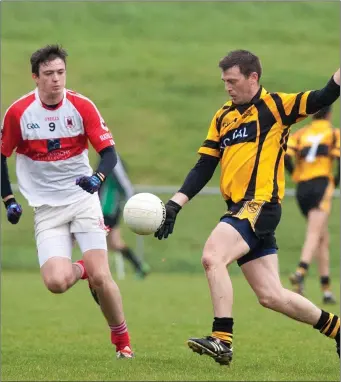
259	95
61	103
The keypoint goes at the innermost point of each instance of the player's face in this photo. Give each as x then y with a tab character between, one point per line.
239	87
52	77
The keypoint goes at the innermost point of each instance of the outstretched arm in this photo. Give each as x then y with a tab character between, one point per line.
317	99
197	178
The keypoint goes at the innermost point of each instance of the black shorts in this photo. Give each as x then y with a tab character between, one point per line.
112	221
256	222
314	193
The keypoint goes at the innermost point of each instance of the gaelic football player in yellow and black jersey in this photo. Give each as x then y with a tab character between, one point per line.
314	149
248	137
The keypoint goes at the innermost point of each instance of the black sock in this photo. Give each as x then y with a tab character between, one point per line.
325	283
328	324
302	268
130	255
222	328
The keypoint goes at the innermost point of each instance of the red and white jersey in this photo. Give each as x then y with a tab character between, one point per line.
52	146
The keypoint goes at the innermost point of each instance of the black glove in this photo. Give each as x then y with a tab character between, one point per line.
90	184
14	210
172	209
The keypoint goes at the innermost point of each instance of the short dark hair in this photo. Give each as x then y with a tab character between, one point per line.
48	53
245	60
322	114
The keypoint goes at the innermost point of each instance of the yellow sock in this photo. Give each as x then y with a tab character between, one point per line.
223	336
331	327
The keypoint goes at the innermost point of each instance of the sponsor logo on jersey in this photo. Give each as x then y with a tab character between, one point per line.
105	136
246	132
51	119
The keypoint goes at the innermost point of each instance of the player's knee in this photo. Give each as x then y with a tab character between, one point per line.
57	284
211	258
270	299
99	279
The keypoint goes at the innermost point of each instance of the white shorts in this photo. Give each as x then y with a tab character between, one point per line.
54	227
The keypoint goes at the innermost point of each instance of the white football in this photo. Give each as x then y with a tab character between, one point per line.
144	213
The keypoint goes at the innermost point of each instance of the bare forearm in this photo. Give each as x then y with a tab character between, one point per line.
180	198
336	76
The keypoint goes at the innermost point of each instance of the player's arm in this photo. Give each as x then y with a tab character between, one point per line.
10	139
107	163
295	107
196	179
291	153
102	141
318	99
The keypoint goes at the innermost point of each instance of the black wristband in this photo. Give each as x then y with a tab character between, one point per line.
174	205
9	201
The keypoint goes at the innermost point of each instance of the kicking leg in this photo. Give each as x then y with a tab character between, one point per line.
263	276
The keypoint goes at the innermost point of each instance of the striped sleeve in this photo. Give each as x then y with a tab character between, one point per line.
335	152
211	145
291	108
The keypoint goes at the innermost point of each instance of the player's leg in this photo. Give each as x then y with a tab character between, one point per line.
224	245
105	289
314	199
316	221
322	258
88	228
263	276
57	270
116	243
54	248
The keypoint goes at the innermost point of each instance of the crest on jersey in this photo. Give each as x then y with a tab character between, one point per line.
103	124
70	122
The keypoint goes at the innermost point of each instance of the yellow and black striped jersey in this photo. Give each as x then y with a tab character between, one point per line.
314	147
250	141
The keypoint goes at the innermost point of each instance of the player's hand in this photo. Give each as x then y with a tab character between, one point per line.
14	211
90	184
172	209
